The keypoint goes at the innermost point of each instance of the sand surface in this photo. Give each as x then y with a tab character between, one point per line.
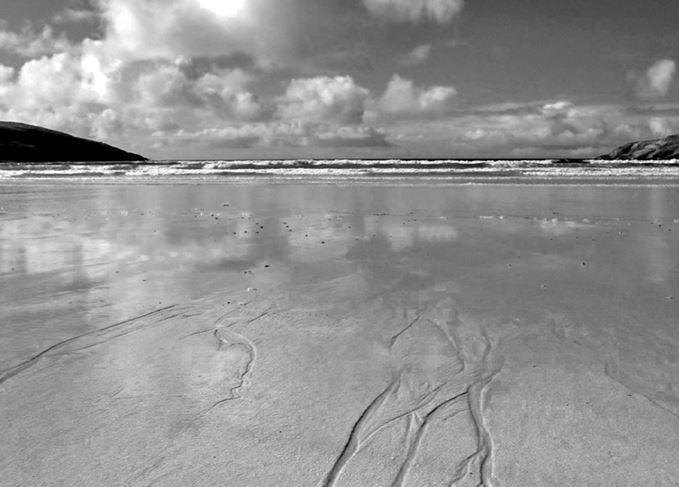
320	335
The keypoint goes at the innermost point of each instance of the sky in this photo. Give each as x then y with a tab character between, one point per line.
241	79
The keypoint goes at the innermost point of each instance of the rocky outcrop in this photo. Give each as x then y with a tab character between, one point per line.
20	142
664	148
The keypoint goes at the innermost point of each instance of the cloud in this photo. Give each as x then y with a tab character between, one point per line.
29	44
423	52
441	11
173	105
175	86
282	134
569	129
99	97
64	87
171	28
558	123
352	136
403	98
195	76
6	74
655	82
163	66
225	92
553	128
224	138
557	109
324	99
417	56
6	80
73	15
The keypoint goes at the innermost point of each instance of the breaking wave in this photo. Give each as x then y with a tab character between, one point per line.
348	168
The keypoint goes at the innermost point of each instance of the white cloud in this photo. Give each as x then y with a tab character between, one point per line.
558	128
662	127
171	28
163	73
571	129
283	134
6	81
441	11
557	109
403	98
6	74
63	86
73	15
94	96
324	99
417	56
164	85
158	72
29	44
226	93
352	136
656	82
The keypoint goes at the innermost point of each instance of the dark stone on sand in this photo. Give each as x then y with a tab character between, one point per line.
21	142
654	149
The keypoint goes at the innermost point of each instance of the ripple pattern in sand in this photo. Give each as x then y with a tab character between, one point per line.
442	368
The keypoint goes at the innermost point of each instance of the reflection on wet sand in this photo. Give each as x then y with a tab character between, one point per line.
313	335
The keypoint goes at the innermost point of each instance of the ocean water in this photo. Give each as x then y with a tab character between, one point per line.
448	169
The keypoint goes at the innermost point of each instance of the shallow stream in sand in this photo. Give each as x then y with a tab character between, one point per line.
326	335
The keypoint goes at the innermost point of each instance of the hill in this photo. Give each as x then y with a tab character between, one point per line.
663	148
21	142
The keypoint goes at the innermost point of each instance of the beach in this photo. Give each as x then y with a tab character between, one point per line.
334	334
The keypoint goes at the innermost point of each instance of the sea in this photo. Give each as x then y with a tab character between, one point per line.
456	170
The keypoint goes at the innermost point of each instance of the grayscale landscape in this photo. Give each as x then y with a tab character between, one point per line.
331	243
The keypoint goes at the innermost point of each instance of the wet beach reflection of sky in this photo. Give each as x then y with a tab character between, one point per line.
73	259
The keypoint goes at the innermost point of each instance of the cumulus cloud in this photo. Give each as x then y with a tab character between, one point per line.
29	43
441	11
655	82
100	97
285	134
557	109
403	98
175	74
561	127
174	85
556	123
324	99
171	28
64	86
191	68
352	136
243	137
226	93
553	128
6	78
6	74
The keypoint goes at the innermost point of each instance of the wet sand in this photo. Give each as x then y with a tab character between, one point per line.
321	335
